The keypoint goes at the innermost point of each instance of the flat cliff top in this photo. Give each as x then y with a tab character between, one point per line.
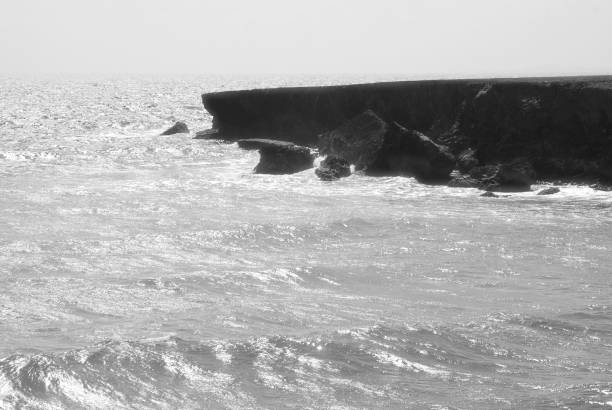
601	82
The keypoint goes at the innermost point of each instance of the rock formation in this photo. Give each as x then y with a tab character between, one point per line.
178	128
467	160
379	148
464	181
358	140
332	168
280	157
257	143
562	126
207	134
513	176
516	175
599	186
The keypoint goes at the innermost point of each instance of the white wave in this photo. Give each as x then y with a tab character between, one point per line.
213	382
222	354
276	275
389	358
77	392
311	362
370	390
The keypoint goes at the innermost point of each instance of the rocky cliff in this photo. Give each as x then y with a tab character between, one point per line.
562	125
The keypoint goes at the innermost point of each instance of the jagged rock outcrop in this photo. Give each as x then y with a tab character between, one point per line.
357	140
379	148
563	126
464	181
178	128
515	175
512	176
281	157
467	160
411	153
332	168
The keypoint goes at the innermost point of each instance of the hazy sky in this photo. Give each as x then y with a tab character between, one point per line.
412	37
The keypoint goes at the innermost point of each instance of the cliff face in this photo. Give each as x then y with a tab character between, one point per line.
564	128
301	114
563	125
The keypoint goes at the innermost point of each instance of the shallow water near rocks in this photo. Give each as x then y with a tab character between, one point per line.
139	271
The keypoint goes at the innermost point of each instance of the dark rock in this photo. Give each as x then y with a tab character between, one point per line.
466	160
411	153
562	125
387	149
513	176
208	134
306	112
601	187
257	143
517	174
178	128
484	172
464	181
332	168
549	191
490	194
279	157
358	140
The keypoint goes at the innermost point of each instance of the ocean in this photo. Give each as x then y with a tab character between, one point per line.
141	271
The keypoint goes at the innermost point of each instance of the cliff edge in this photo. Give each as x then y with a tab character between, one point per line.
563	126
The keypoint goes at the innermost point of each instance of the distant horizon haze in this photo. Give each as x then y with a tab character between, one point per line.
409	39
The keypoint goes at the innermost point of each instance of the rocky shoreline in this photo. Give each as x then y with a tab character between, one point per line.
494	134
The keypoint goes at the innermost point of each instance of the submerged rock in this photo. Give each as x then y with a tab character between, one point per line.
280	157
387	149
179	128
549	191
332	168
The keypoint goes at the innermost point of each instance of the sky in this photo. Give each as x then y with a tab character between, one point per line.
445	38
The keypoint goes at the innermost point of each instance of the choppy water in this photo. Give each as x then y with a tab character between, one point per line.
139	271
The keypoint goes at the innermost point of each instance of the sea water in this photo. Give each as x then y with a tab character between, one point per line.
140	271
